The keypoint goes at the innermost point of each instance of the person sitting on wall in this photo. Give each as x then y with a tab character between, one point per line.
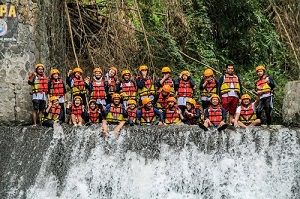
132	112
77	111
149	115
77	84
184	87
172	114
115	114
57	88
215	115
98	87
53	113
191	114
245	114
95	112
39	82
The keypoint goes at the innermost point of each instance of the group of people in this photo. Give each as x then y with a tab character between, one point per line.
142	100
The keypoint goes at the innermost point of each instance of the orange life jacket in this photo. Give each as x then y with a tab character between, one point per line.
57	88
171	116
262	85
131	113
148	116
98	91
94	115
162	101
185	89
40	84
215	115
78	86
77	110
228	80
247	114
129	89
209	89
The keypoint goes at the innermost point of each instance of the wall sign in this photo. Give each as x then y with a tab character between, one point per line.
8	22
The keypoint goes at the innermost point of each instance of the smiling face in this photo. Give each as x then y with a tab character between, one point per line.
260	73
77	102
98	75
55	103
40	70
111	73
55	76
126	76
184	77
77	75
230	70
131	106
92	105
246	102
215	101
171	104
149	105
116	100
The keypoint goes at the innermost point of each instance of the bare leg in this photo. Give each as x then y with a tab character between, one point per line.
119	127
34	117
105	128
74	119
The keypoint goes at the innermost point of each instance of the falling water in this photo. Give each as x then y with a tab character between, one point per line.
167	162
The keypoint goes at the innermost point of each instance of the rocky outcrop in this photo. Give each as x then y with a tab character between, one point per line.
291	104
18	58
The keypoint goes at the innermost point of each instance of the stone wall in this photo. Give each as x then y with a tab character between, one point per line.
291	104
18	58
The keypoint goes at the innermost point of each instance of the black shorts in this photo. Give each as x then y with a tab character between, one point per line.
39	105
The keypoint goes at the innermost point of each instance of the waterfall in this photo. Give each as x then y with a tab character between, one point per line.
151	162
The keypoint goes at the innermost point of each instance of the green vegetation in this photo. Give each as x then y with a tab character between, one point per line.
187	34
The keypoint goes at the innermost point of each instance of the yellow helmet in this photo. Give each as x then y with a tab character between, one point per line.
116	95
92	101
208	72
245	96
171	99
39	65
146	100
166	69
53	98
124	72
185	72
54	71
77	70
261	67
215	96
191	101
114	69
143	67
131	101
166	88
77	97
96	70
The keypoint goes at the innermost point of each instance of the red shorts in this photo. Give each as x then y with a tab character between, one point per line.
230	104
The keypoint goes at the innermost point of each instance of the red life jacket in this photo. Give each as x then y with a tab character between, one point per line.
115	114
40	84
98	91
247	114
131	113
162	101
171	116
129	90
112	85
210	88
169	82
78	86
185	89
77	110
262	85
148	116
54	113
215	115
57	88
94	115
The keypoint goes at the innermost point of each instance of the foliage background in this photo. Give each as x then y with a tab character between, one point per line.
187	34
